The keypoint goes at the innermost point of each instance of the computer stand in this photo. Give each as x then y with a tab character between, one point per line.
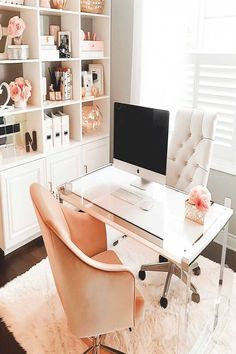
142	183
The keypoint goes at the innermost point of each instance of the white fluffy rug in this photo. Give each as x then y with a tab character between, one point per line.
30	307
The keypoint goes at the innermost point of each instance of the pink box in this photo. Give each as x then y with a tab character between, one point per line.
86	46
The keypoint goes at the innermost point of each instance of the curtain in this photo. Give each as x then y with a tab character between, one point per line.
160	35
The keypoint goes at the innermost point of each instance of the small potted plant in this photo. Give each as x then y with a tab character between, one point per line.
198	204
15	29
20	92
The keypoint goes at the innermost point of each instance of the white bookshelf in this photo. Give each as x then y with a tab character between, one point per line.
37	21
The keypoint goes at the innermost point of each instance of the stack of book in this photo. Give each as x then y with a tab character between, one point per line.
48	49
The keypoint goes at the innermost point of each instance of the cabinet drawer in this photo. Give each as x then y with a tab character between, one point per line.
63	167
96	155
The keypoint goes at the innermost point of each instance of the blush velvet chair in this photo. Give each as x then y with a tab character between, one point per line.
96	290
188	165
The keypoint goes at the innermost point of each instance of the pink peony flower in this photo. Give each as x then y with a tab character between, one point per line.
200	197
16	27
15	92
20	89
203	203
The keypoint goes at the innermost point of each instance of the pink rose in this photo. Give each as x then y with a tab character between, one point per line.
16	27
15	92
195	194
20	89
200	197
203	204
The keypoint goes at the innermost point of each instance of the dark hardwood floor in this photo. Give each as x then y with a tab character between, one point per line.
24	258
11	266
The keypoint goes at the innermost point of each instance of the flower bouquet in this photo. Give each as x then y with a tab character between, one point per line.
20	92
198	204
15	29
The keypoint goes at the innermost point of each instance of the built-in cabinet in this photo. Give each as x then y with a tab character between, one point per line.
18	221
85	151
63	167
95	155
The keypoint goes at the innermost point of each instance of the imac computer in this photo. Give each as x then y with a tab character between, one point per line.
141	142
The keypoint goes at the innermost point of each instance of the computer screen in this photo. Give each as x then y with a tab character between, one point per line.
141	139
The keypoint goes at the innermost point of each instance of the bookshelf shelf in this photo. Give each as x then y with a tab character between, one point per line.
70	19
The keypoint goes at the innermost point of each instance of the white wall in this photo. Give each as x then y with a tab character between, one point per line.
121	53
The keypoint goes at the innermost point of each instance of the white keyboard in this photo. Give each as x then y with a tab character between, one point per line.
127	196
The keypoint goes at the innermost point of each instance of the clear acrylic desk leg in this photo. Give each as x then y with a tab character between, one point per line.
202	335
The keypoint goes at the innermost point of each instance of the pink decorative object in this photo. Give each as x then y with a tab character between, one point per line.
94	91
16	27
44	3
82	35
197	204
91	119
20	91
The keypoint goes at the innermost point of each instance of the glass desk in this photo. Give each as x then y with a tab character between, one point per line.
106	194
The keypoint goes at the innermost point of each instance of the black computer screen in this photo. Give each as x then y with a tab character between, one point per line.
141	136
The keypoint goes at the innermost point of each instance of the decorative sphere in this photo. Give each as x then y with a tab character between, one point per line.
91	120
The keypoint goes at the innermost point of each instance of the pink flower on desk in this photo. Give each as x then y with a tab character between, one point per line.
200	197
16	27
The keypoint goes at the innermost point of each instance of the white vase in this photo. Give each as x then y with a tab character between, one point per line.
20	104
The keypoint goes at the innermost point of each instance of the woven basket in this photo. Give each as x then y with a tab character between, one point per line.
93	6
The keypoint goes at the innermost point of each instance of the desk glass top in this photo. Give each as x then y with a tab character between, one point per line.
165	221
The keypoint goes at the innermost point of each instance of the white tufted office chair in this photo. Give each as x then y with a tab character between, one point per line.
188	165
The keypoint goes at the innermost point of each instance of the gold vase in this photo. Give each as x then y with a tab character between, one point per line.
58	4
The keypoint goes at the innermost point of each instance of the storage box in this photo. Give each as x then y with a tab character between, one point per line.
47	40
92	46
18	52
56	131
65	129
50	54
194	214
48	141
92	55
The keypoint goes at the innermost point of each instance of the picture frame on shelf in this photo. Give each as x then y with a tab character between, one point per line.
53	31
64	44
97	72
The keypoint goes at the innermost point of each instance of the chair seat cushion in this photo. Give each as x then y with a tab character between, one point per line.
110	257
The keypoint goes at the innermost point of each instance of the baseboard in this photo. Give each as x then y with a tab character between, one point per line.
231	240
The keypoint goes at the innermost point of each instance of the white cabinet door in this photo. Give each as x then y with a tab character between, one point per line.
19	221
95	155
63	167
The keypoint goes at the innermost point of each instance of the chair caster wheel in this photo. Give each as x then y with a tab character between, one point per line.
142	274
196	297
197	271
164	302
162	259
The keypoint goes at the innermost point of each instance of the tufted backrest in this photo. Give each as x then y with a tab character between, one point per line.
190	149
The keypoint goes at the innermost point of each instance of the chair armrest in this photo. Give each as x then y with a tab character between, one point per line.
87	233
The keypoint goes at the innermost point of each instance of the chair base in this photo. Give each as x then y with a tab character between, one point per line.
170	268
97	346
